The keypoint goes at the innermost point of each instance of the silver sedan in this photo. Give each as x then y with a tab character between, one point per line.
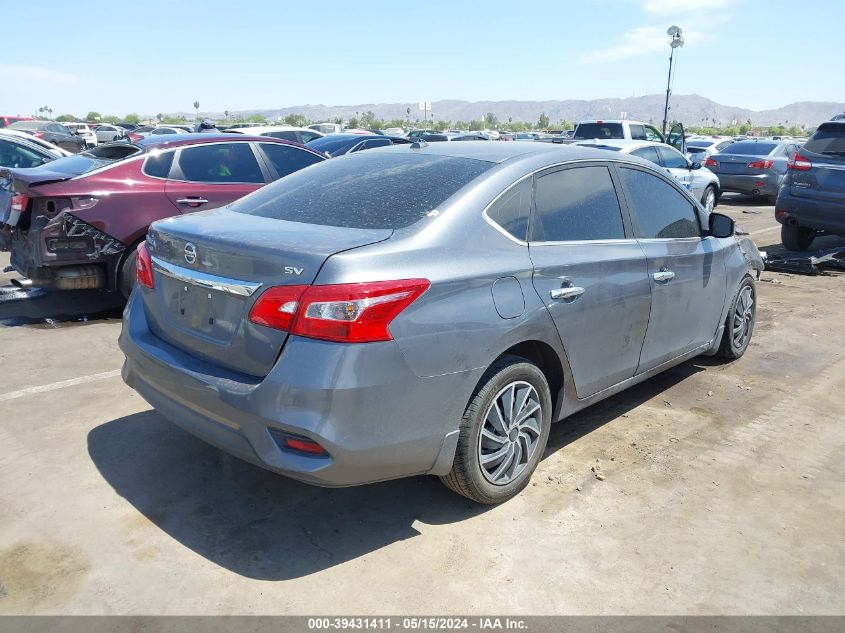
702	183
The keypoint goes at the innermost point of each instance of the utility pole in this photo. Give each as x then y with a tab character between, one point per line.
677	41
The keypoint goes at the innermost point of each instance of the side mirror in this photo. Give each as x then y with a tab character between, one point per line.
721	225
695	165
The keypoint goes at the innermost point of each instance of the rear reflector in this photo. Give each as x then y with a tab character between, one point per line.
19	204
144	267
297	443
799	163
348	313
761	164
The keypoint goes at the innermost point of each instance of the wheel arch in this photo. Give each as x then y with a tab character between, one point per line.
549	362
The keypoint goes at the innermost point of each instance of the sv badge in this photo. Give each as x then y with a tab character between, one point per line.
291	270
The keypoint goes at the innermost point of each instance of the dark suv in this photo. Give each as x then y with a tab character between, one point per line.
812	198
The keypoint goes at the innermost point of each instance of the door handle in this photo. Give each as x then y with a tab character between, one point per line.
194	202
569	292
663	275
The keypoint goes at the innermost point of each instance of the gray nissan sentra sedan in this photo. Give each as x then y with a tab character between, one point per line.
429	309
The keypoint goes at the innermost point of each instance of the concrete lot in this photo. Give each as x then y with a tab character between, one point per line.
724	490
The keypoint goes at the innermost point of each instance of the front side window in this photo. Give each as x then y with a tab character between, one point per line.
576	204
512	208
660	211
220	163
287	159
672	158
285	135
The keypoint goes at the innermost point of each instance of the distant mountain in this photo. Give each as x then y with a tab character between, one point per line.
689	109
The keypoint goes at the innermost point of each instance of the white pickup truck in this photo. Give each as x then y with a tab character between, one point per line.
624	129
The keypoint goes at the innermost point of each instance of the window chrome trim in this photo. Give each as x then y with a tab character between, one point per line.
213	282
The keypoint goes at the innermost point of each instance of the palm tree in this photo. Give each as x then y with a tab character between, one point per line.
197	108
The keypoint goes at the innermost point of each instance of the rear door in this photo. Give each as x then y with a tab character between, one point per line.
686	270
212	175
590	273
678	167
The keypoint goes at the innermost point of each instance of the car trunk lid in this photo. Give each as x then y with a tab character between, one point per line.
211	267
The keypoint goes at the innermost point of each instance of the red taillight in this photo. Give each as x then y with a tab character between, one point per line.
349	313
38	134
761	164
19	202
144	267
799	163
711	162
277	307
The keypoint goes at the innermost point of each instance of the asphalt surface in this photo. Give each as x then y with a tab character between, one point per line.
722	490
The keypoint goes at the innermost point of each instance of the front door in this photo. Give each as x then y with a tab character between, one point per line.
213	175
686	269
590	274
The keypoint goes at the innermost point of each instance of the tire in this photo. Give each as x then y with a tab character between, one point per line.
480	482
709	197
739	325
126	276
796	238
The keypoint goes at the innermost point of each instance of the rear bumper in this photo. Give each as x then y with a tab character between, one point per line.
42	253
764	184
374	417
820	215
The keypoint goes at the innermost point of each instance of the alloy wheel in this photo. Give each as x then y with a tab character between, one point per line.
510	432
743	317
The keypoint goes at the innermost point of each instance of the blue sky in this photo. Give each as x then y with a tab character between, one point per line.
161	55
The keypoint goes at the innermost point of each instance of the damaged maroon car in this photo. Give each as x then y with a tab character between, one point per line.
74	223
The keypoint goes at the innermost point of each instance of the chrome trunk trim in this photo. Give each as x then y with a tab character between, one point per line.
214	282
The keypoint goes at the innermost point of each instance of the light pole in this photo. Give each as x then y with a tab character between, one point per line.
677	41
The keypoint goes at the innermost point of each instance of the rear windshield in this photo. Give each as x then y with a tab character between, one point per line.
367	190
699	144
335	144
828	139
750	148
79	164
27	125
599	130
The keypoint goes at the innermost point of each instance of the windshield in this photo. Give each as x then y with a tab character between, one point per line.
750	148
828	139
370	190
599	130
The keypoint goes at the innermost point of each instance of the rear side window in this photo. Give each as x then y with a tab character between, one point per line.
285	135
637	132
576	204
660	211
511	210
304	137
286	159
671	158
158	165
750	148
599	130
367	190
14	155
221	162
828	139
649	153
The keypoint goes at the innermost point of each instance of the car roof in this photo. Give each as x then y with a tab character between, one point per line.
259	129
500	152
23	140
175	140
624	145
